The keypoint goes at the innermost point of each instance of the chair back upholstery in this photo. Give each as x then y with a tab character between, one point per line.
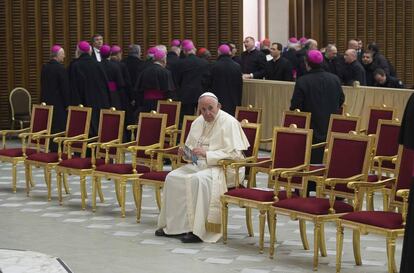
172	109
387	137
249	113
253	134
290	147
185	130
41	119
404	173
78	123
376	113
20	103
151	130
348	155
111	127
342	124
301	119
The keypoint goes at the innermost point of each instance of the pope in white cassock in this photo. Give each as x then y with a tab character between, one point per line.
191	195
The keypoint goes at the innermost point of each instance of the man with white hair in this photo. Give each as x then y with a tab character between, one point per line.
353	70
55	89
191	196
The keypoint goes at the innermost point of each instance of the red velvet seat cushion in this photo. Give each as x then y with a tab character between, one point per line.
80	163
46	157
157	176
257	194
383	219
16	152
121	168
313	205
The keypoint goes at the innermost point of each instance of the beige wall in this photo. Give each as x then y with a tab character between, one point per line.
278	20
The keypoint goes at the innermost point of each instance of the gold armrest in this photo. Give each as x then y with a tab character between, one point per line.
319	145
70	141
356	185
147	149
333	181
161	151
96	144
381	158
404	193
48	135
266	140
288	174
73	138
118	145
6	132
362	130
25	135
288	170
249	164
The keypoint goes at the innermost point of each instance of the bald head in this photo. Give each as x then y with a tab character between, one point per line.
353	44
350	56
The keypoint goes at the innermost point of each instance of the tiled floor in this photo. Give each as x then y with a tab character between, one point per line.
104	242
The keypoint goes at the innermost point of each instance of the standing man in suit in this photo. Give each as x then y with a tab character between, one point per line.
97	43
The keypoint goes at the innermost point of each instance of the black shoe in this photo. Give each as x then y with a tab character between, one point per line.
191	238
160	232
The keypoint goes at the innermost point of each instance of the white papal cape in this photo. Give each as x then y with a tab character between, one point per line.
191	194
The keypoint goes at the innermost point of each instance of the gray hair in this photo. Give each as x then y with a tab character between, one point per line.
134	50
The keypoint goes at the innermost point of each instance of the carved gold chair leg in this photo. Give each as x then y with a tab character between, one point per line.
118	195
370	201
392	268
65	183
28	178
224	219
158	196
303	236
94	186
138	199
339	245
322	244
14	176
356	235
48	178
262	222
249	223
316	235
83	191
122	196
59	187
385	200
272	227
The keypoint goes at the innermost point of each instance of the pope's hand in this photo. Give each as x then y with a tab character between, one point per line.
199	151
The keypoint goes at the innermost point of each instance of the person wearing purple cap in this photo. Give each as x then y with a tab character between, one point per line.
173	54
253	60
97	42
320	93
191	75
88	83
226	80
155	83
54	89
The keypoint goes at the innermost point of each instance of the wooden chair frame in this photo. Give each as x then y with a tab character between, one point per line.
21	122
325	187
379	108
249	108
26	135
297	113
96	153
59	138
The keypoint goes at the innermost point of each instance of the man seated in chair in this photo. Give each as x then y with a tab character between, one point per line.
191	195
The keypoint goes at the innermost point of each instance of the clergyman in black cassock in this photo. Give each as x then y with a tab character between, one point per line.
89	82
406	138
55	90
226	80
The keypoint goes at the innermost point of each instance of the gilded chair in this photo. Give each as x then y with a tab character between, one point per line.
387	223
384	154
301	119
77	128
290	151
375	114
348	160
150	135
156	178
20	103
249	113
41	122
111	124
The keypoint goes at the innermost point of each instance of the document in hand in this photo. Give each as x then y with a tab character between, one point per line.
189	155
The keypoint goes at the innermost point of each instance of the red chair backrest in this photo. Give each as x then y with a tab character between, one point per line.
41	120
151	130
387	138
405	170
252	132
375	115
171	111
343	125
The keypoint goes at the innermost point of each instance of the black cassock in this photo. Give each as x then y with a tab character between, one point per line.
88	84
226	83
154	83
55	91
406	138
115	82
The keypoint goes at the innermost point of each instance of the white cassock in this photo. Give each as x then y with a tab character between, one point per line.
191	194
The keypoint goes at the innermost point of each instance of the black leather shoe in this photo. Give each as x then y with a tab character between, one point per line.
160	232
190	238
